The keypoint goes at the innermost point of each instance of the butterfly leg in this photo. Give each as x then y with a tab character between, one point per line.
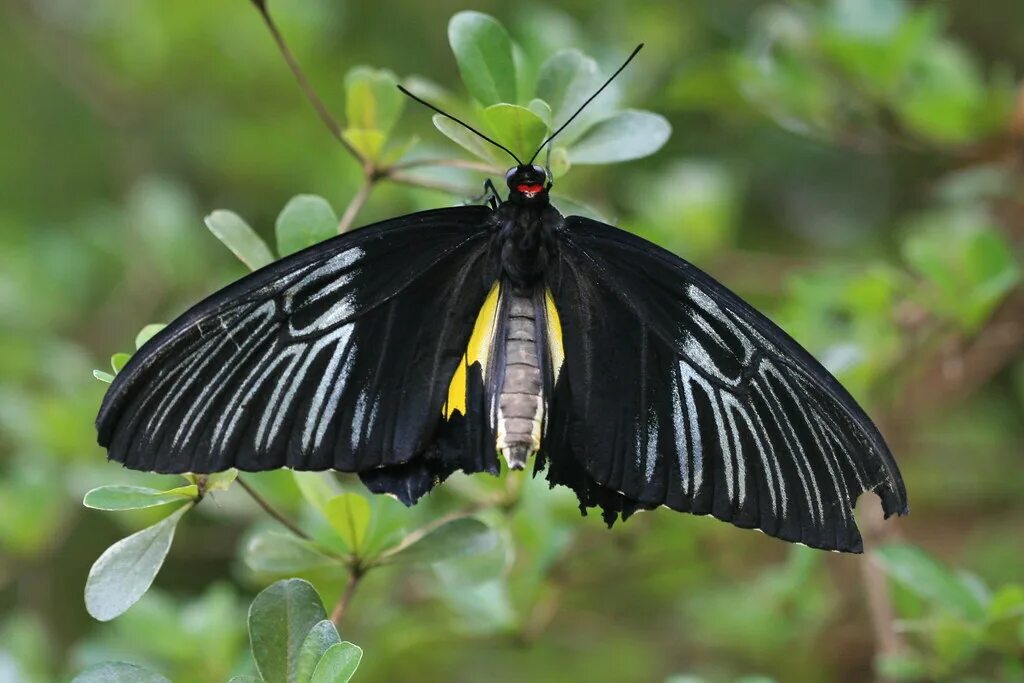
489	196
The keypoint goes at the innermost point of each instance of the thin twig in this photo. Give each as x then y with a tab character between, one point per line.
269	509
357	203
466	164
304	84
338	613
428	184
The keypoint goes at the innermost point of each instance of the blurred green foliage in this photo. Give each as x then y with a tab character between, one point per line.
851	166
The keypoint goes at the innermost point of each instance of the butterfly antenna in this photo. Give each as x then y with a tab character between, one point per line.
462	123
589	100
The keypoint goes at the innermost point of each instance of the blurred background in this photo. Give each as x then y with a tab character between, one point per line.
853	167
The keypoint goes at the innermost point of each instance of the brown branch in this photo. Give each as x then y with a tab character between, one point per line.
270	510
304	84
338	613
357	203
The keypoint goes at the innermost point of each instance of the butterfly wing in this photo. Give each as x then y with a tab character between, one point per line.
339	356
683	395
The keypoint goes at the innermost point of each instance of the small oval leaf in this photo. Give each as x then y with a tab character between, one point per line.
518	128
458	538
103	376
339	663
280	618
483	50
372	102
317	487
232	230
630	134
147	333
273	552
119	672
320	638
135	497
119	360
125	571
465	139
349	515
305	220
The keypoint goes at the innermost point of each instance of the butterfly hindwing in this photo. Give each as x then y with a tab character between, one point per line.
339	356
683	395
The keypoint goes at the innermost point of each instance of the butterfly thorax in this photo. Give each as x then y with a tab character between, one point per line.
526	240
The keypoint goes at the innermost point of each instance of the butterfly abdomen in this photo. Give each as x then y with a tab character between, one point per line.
521	400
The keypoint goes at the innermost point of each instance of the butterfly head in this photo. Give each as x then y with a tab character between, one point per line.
528	183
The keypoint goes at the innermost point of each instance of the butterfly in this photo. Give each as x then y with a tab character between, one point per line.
444	340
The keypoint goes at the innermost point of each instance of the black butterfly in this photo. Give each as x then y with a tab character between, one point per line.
432	342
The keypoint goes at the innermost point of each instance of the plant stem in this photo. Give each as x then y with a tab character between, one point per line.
427	183
304	84
357	203
467	164
354	577
270	510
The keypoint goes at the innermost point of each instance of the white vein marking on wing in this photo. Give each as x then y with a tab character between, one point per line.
201	405
711	307
771	452
732	405
682	443
242	397
798	402
292	354
291	384
691	376
332	402
652	445
204	357
788	432
696	443
358	415
330	377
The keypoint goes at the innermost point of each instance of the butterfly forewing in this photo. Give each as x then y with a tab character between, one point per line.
339	356
683	395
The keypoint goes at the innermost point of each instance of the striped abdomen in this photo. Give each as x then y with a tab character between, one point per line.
521	400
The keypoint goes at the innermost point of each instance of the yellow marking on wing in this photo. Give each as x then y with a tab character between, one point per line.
477	351
554	325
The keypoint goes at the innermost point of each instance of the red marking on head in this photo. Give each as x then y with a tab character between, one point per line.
529	190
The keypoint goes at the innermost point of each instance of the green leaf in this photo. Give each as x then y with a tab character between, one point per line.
119	360
305	220
280	618
349	515
135	497
630	134
242	240
372	106
458	538
119	672
125	571
245	679
320	638
317	488
220	481
147	333
465	139
925	576
517	128
339	664
103	376
565	82
369	143
483	51
274	552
